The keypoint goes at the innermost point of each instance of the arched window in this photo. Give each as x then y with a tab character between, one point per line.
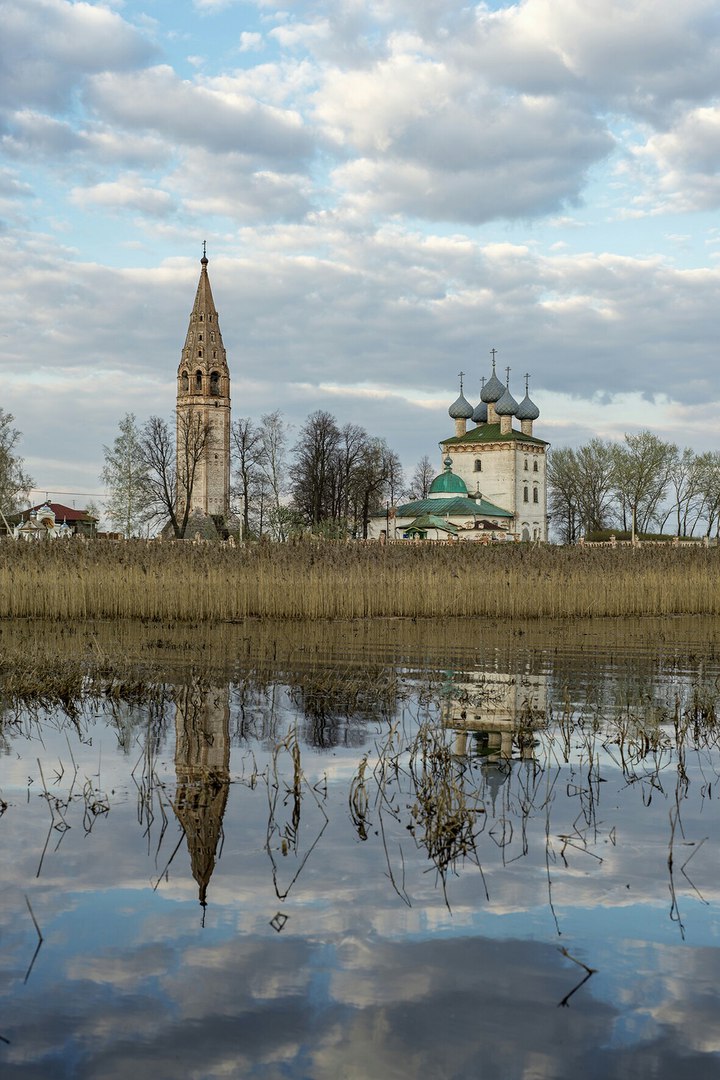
526	497
478	465
215	383
184	381
198	382
536	495
526	465
535	466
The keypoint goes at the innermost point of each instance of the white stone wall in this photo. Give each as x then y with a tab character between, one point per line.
503	479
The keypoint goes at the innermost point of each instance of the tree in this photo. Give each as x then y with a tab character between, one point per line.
172	465
421	480
594	474
563	501
684	476
13	481
247	444
370	482
273	435
642	473
125	478
708	482
322	467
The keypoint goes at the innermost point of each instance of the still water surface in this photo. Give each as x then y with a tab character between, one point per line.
446	852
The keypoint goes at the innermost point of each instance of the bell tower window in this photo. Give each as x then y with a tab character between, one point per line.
184	381
215	384
198	382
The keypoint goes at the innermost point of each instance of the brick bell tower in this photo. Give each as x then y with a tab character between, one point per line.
203	394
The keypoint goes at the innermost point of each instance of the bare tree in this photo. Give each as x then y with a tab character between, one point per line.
642	474
563	500
14	482
273	467
247	443
172	463
685	485
421	480
708	482
320	461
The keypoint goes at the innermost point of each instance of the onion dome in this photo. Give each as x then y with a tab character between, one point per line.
461	409
493	389
447	483
480	411
506	405
527	409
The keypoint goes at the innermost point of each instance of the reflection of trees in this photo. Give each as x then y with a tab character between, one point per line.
339	703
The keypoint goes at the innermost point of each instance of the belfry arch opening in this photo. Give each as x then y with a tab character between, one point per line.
215	383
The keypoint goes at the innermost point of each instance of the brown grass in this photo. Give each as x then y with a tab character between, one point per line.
325	580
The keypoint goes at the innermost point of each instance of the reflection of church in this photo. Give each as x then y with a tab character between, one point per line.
202	768
491	712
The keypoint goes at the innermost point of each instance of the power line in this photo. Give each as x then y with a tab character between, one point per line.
94	494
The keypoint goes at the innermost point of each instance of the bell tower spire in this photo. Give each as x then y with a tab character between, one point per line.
203	408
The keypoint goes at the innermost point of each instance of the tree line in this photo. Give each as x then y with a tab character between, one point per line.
330	480
643	484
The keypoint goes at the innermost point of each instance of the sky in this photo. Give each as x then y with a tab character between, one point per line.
388	190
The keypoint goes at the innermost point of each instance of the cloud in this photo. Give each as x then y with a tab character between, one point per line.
77	39
128	193
157	100
436	145
250	41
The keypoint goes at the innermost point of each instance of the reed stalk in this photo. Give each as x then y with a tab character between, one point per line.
183	583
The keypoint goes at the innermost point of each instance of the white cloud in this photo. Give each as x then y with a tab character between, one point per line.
250	41
128	193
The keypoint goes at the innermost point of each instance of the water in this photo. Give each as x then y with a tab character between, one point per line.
454	851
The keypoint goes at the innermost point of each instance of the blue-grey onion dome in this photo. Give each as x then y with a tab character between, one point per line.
480	413
507	405
527	409
461	409
493	389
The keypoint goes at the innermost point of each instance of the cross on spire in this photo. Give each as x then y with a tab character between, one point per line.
507	376
492	353
461	381
526	377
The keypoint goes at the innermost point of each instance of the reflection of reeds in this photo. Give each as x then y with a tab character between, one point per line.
314	580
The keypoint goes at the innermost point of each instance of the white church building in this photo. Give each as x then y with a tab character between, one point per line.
494	479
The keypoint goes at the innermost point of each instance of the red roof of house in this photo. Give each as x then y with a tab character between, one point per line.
62	513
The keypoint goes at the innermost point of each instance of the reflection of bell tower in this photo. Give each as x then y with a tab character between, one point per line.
203	398
202	768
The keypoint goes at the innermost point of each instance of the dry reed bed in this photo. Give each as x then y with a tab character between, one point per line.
199	583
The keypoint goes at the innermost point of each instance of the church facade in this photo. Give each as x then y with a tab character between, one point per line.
494	483
507	463
203	412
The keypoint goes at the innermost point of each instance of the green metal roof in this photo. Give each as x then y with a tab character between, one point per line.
431	521
455	507
487	433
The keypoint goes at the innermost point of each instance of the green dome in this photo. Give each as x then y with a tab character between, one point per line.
447	482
